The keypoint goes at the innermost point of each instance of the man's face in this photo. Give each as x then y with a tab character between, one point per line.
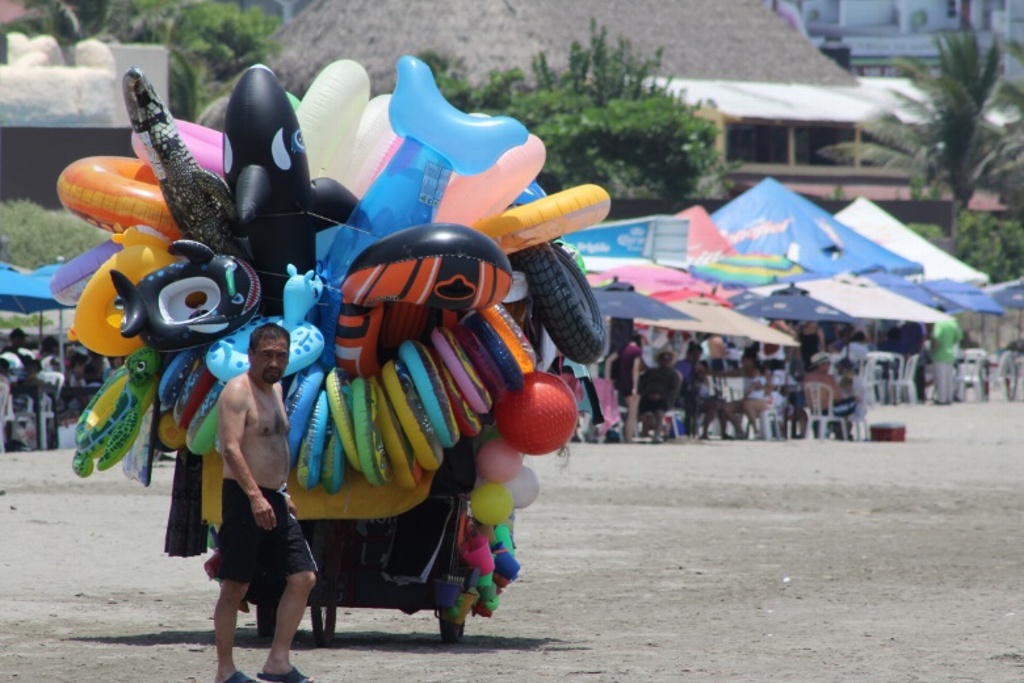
269	360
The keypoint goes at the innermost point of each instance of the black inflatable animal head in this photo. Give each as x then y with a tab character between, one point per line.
191	302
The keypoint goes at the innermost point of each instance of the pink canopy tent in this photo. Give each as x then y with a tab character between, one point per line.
705	243
662	283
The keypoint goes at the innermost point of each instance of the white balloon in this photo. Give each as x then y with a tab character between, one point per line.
524	488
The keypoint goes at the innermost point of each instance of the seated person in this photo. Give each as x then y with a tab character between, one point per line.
857	349
757	392
658	389
696	397
819	373
893	343
31	378
850	387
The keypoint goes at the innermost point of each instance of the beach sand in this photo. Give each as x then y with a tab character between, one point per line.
696	561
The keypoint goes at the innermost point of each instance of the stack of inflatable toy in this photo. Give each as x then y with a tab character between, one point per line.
387	235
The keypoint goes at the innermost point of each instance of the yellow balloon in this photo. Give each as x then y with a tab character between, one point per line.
490	503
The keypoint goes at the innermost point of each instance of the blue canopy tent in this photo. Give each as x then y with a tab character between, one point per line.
772	219
966	296
23	293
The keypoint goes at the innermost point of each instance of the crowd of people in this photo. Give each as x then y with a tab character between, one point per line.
29	369
721	389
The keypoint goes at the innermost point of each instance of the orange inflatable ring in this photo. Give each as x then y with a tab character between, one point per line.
115	193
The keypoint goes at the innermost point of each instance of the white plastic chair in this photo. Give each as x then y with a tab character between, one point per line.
1004	378
970	374
873	376
819	399
904	384
6	414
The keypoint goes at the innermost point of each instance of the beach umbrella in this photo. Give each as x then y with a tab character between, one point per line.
620	300
911	290
647	278
793	303
862	298
24	294
965	296
713	318
1011	296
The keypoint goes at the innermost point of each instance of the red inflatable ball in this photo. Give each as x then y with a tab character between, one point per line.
540	418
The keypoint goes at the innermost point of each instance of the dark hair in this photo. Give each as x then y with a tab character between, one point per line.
91	371
694	347
269	331
49	344
893	334
858	336
16	332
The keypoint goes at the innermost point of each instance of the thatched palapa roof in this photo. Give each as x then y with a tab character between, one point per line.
705	39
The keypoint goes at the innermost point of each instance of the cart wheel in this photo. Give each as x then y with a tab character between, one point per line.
266	620
451	632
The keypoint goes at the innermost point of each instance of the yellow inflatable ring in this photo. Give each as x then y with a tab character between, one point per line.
402	396
339	398
115	193
98	314
366	418
547	218
405	469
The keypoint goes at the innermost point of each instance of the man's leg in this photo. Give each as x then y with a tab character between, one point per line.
225	619
289	615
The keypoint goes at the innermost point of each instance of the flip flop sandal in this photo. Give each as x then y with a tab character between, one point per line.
293	676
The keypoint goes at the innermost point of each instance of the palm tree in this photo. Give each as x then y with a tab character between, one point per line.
946	137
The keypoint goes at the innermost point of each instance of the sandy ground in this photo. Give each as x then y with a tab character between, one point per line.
714	561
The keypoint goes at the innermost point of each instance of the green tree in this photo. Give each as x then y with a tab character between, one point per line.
946	138
68	22
36	236
603	120
991	245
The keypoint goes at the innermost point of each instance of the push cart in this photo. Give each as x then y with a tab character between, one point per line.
409	562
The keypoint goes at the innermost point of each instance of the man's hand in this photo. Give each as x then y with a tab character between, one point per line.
263	513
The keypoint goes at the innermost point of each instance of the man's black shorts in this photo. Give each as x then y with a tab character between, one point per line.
281	551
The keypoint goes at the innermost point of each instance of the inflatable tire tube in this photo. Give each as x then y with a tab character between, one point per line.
471	387
402	396
339	398
198	385
465	417
175	374
332	468
299	405
311	450
404	468
372	458
430	388
481	360
202	428
501	352
563	301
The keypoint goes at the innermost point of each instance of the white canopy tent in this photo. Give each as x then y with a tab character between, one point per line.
862	298
882	228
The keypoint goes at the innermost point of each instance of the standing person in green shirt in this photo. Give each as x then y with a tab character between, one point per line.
946	336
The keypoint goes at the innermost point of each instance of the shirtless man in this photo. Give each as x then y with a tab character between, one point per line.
259	524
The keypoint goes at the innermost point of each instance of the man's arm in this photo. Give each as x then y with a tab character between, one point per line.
232	408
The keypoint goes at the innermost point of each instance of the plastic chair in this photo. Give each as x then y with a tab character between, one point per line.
1005	377
872	375
819	399
904	384
771	425
971	374
6	414
53	382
